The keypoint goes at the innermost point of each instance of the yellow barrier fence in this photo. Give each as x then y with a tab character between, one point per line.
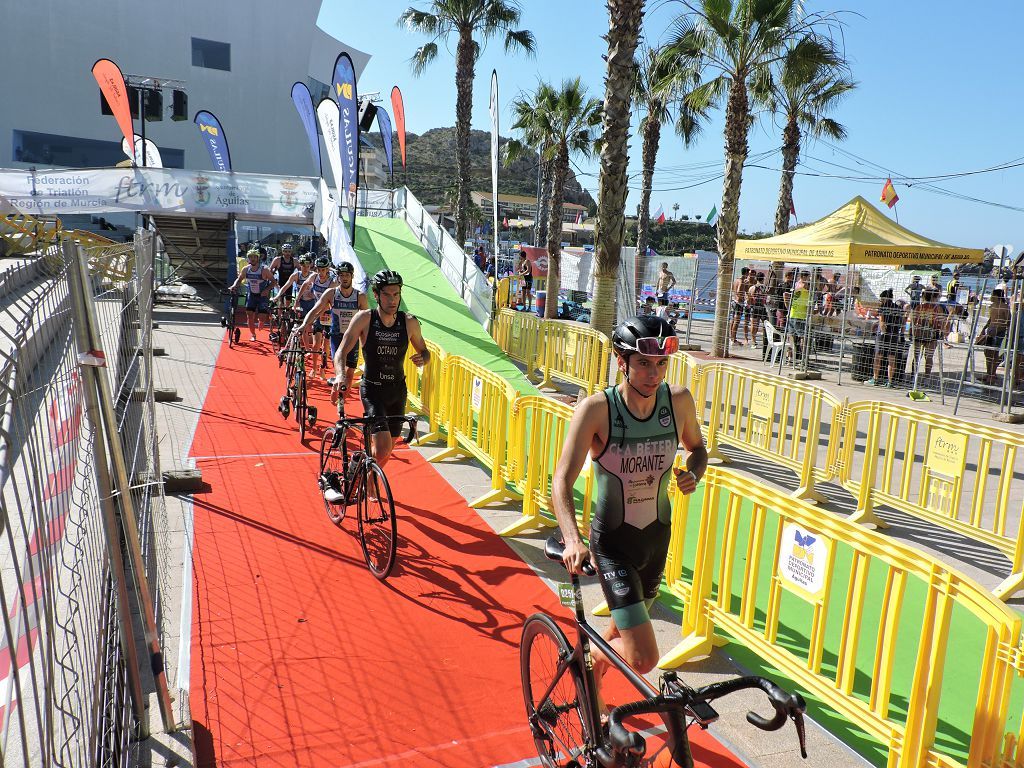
951	472
772	417
520	336
536	439
426	389
476	411
859	621
576	354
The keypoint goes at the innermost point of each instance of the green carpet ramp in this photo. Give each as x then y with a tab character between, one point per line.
389	243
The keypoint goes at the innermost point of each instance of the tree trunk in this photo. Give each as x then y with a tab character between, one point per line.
465	66
737	125
624	17
652	135
545	202
560	171
790	155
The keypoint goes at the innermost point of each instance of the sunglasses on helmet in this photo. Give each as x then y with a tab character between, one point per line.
656	347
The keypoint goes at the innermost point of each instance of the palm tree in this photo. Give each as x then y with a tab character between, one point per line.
654	88
564	123
737	42
530	143
473	22
624	17
805	91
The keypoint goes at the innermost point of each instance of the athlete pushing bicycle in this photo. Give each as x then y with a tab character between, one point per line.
385	334
632	432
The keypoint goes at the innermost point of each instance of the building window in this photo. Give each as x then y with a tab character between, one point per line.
211	54
318	90
74	152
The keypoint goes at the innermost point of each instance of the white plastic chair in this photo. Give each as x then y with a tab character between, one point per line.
776	344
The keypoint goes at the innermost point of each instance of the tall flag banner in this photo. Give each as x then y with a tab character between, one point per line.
326	217
328	116
494	155
712	215
152	158
398	109
216	142
303	102
348	106
792	208
384	123
579	218
112	86
889	196
659	215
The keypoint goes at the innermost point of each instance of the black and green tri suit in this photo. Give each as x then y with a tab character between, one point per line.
630	531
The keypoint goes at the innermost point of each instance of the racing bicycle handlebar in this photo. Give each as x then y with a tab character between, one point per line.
358	421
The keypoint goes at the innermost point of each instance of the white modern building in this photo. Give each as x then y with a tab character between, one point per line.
236	58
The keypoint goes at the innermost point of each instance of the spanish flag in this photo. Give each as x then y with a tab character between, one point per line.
889	196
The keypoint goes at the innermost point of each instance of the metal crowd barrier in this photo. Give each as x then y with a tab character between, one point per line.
782	576
535	445
948	471
477	410
425	386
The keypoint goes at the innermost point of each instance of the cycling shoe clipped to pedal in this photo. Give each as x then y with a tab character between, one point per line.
285	406
311	415
330	486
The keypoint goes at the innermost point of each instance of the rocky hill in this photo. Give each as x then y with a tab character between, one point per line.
433	168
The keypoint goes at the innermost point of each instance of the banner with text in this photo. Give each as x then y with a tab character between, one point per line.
155	190
216	142
348	107
150	158
112	86
384	123
303	102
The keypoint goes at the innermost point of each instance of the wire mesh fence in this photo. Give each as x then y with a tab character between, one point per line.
67	658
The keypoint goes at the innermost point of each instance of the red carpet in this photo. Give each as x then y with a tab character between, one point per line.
299	656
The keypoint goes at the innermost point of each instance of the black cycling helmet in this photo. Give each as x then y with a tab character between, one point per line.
305	259
322	262
385	277
646	334
346	267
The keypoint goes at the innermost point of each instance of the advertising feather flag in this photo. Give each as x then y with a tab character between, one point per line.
398	110
112	86
344	82
212	134
303	102
384	123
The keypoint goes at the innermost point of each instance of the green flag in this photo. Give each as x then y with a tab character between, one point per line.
712	215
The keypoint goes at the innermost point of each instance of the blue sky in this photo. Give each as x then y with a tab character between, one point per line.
939	93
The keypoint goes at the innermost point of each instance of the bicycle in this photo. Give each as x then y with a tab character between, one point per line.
354	477
227	320
295	396
281	322
564	718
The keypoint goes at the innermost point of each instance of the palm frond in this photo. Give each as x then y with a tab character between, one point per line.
520	40
830	129
416	20
424	55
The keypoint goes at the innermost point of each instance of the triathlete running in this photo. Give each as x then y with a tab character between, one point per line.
258	280
385	334
343	301
323	278
632	432
295	287
283	264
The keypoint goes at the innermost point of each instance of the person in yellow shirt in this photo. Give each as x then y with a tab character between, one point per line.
798	304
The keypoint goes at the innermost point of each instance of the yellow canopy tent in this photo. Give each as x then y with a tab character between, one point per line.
857	233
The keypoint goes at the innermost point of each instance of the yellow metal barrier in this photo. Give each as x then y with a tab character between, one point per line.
107	260
477	406
519	334
425	387
772	417
761	557
576	354
536	439
951	472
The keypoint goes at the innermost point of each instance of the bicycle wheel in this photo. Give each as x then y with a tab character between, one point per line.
378	528
300	402
277	331
559	728
332	473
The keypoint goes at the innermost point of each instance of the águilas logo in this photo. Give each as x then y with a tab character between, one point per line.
202	193
802	546
345	90
289	194
210	129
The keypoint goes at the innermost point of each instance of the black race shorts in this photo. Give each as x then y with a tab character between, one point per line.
379	401
630	563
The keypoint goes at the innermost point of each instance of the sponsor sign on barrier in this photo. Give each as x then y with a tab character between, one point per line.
477	396
805	560
947	452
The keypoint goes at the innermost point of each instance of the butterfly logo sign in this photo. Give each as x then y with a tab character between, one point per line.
802	546
804	562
